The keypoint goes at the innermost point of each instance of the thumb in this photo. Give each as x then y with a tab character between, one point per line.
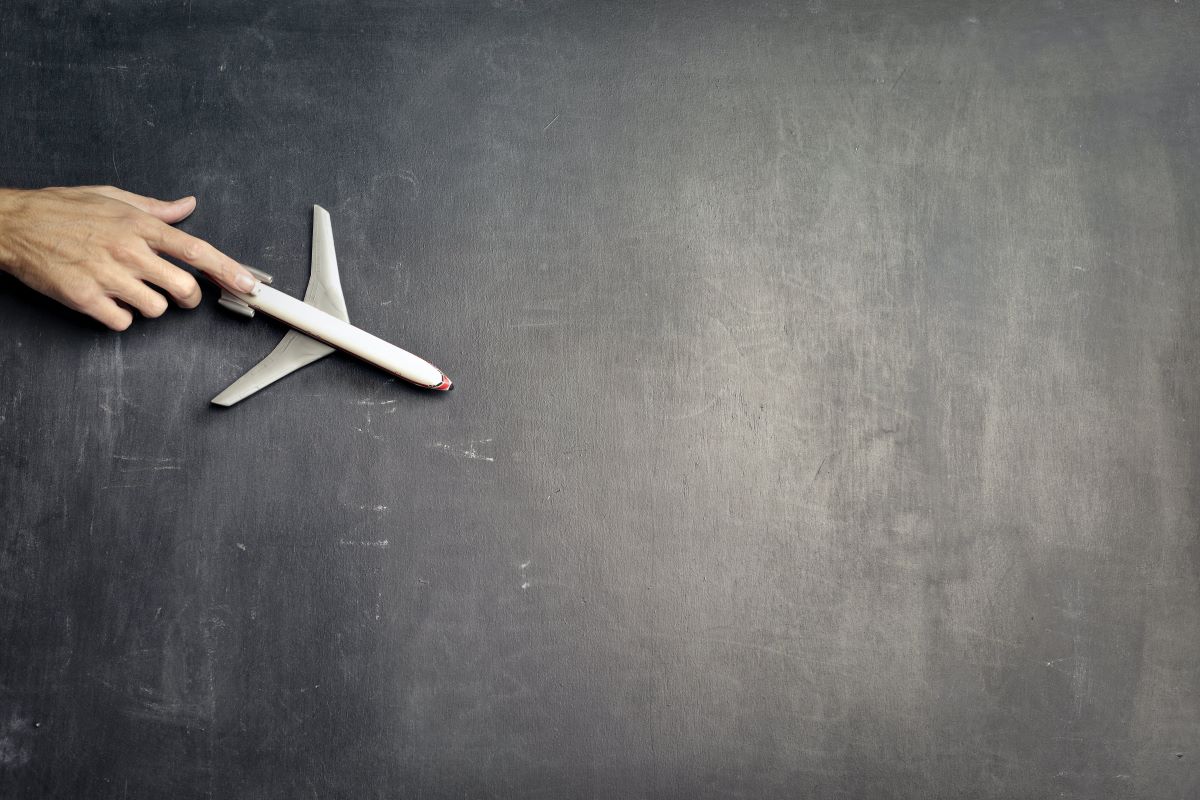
170	211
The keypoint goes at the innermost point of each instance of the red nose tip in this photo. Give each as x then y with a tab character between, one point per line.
446	384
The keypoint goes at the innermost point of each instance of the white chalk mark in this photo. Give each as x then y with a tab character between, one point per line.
551	122
158	468
471	451
543	324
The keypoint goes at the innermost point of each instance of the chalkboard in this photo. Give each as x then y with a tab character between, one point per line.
826	416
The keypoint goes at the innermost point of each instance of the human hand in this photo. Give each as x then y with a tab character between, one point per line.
95	249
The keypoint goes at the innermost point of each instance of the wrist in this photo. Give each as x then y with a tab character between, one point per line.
10	203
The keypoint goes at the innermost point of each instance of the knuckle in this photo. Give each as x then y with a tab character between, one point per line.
122	251
83	298
156	307
108	274
143	228
185	286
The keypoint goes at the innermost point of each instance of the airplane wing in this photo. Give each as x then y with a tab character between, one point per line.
297	350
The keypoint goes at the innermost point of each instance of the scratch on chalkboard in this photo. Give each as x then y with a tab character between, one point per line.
1053	664
131	463
899	77
550	323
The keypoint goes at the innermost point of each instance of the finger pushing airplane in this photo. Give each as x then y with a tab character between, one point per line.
319	325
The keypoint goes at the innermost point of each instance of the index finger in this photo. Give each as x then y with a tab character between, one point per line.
201	255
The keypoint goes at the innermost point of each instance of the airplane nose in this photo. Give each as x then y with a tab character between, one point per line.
446	384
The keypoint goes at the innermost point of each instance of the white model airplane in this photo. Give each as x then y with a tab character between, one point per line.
320	324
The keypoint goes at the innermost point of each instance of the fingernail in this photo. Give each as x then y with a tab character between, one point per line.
244	282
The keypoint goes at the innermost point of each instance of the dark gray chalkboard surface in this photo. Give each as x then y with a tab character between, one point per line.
826	425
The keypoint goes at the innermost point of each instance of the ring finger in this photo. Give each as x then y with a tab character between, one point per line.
140	296
174	281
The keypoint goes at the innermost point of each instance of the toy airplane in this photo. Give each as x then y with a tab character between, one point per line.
320	324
